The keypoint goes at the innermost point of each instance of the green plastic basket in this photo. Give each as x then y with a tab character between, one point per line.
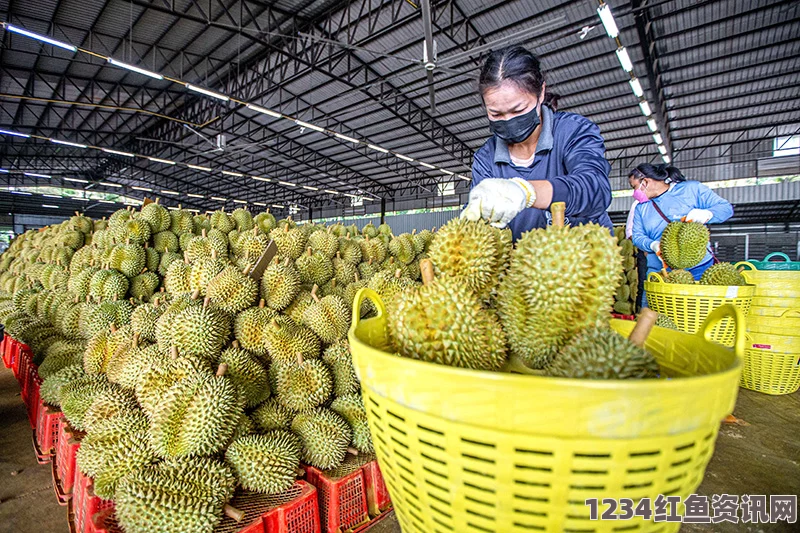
768	264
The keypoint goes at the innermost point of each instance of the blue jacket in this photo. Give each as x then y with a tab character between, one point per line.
676	203
571	155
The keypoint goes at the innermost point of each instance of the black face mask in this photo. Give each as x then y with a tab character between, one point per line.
516	129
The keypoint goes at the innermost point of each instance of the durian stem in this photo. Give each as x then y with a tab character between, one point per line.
426	268
314	292
196	294
352	451
135	340
299	472
112	327
262	303
308	252
203	232
173	352
206	301
235	343
233	512
514	365
558	209
645	322
286	261
221	369
299	359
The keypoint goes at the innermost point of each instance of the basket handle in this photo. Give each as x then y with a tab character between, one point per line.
789	312
716	316
747	265
777	254
655	277
363	294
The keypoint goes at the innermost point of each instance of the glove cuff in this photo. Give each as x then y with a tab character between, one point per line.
530	192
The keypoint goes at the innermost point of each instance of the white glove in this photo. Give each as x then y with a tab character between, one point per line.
499	200
699	215
655	246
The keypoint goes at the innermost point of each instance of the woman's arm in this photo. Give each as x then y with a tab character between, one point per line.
719	206
640	238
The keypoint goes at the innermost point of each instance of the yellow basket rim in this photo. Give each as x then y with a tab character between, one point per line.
575	383
655	283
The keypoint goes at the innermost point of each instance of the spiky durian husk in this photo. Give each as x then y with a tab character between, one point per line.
232	291
249	326
300	386
337	357
722	274
280	284
680	276
351	408
265	463
684	244
325	436
249	375
271	415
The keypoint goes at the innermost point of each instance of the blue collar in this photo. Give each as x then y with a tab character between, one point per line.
545	143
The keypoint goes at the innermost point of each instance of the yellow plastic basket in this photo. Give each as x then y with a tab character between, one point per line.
771	372
773	321
784	284
471	451
772	343
689	305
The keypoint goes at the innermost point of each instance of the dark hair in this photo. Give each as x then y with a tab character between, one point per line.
519	66
663	172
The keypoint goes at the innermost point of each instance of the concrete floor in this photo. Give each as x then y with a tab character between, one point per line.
762	457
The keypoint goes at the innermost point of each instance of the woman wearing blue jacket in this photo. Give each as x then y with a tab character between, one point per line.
536	155
664	196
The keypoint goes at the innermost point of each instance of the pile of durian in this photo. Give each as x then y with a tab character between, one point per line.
187	377
540	307
628	289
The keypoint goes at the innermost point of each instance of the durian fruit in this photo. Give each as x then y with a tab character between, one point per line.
143	286
344	272
167	258
337	357
176	281
202	246
315	268
222	221
59	355
144	318
550	291
81	223
389	285
349	251
265	463
114	402
623	308
232	290
471	253
351	408
134	230
200	330
188	495
157	216
722	274
243	219
324	242
663	321
249	376
165	325
252	245
291	242
684	244
602	353
249	326
165	241
108	284
325	436
280	284
373	249
623	293
303	384
271	415
265	222
402	248
153	382
79	394
370	230
50	391
443	322
195	416
152	258
328	317
203	271
181	221
680	276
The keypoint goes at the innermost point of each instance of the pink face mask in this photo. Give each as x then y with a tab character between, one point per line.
640	196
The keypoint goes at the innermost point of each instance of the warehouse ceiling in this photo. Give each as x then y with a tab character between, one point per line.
721	77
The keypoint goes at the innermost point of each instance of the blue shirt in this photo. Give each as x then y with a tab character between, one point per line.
570	154
676	203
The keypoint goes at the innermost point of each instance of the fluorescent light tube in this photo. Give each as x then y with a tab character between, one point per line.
426	165
636	86
463	177
235	174
51	195
106	202
278	206
309	126
378	148
604	11
109	184
198	167
662	149
346	138
259	178
174	193
206	92
164	161
260	204
310	188
259	109
23	193
3	171
42	38
34	175
142	189
651	123
117	152
67	143
403	157
624	59
666	158
286	183
657	138
135	69
50	206
217	198
15	134
239	202
76	180
330	191
447	172
191	195
645	107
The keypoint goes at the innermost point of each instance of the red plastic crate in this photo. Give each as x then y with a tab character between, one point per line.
623	317
378	500
46	434
23	356
341	495
85	504
32	403
292	511
3	347
64	465
10	353
23	365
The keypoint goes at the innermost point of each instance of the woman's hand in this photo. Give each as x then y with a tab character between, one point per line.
499	200
699	215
